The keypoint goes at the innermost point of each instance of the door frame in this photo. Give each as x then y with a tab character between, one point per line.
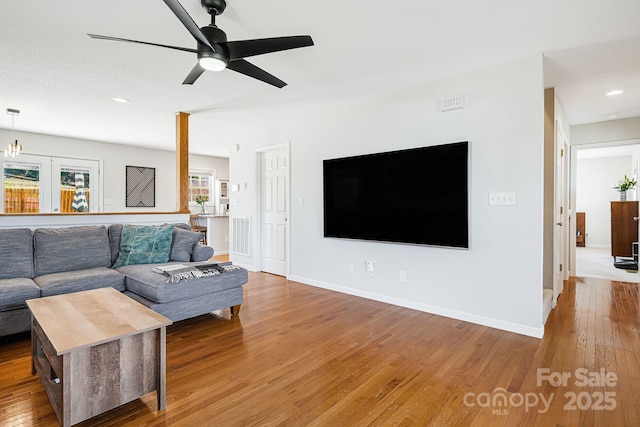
259	213
573	167
562	223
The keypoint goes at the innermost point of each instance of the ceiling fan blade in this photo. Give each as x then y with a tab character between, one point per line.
188	22
186	49
248	69
245	48
194	74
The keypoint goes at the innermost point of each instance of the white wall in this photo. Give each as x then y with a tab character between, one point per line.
115	158
612	130
498	281
594	192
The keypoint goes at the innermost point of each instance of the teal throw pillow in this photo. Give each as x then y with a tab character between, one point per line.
141	244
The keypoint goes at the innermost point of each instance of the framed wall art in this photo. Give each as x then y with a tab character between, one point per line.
141	187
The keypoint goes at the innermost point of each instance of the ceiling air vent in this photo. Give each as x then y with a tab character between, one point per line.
454	102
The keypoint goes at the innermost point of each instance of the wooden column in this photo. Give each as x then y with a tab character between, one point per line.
182	161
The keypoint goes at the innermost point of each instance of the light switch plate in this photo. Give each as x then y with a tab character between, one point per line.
502	199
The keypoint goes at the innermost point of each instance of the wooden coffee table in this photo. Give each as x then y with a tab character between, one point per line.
96	350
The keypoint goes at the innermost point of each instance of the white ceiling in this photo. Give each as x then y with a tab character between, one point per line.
63	81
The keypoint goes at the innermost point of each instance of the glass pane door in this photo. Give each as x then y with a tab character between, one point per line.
25	185
74	185
21	188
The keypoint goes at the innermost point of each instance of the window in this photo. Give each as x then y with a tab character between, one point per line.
75	190
21	188
201	184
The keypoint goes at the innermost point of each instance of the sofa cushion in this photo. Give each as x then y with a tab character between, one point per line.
153	286
192	307
79	280
115	231
16	253
182	244
201	252
14	292
141	244
71	248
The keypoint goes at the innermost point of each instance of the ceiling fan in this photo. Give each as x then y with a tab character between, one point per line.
215	53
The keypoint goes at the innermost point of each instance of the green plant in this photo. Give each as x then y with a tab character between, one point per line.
625	184
200	199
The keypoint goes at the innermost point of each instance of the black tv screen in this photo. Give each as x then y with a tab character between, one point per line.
417	196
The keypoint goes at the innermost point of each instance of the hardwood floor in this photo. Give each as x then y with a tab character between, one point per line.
303	356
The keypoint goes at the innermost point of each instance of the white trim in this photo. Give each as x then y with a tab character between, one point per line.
247	267
459	315
63	220
573	162
274	147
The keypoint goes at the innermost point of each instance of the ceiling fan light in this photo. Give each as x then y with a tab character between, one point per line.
212	61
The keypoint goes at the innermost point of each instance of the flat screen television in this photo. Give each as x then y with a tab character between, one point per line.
415	196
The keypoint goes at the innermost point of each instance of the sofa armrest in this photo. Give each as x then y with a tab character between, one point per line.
201	252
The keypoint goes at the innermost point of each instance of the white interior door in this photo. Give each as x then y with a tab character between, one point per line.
274	207
561	236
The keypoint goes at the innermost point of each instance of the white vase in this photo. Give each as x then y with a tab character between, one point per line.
623	196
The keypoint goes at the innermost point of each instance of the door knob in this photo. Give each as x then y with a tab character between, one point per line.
559	223
635	218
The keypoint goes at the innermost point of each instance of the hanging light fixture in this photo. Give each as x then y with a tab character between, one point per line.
14	148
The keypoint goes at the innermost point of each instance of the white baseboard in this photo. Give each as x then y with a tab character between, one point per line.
459	315
247	267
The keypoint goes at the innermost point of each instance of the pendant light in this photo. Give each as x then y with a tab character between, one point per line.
14	148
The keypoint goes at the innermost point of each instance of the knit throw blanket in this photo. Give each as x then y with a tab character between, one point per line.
189	272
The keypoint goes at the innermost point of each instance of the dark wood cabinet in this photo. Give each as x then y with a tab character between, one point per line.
581	229
624	228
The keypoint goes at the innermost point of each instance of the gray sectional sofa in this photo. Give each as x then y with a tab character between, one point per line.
51	261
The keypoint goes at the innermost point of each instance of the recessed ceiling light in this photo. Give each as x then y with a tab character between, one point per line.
611	116
614	92
121	100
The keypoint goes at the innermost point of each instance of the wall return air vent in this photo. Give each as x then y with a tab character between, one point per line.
454	102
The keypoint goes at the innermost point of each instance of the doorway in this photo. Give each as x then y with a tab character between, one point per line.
597	168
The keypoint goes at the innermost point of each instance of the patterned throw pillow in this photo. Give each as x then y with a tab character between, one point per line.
141	244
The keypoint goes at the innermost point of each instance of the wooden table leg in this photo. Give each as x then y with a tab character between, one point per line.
34	347
66	390
161	390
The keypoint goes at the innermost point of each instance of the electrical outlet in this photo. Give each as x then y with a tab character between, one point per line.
403	276
371	268
350	267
